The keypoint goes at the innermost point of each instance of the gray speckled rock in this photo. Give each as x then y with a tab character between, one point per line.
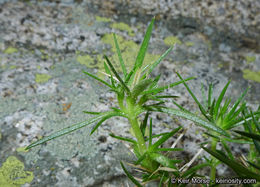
45	46
238	16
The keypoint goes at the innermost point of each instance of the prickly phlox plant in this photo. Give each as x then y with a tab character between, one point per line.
137	93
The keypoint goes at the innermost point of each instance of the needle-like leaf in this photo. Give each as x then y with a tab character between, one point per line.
190	116
238	168
163	139
220	98
229	116
153	65
210	94
144	46
194	97
104	119
93	113
98	79
120	56
140	87
150	132
116	74
228	150
130	176
194	169
249	135
160	89
144	123
67	130
123	139
163	160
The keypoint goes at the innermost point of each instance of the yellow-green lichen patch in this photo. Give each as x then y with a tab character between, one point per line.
102	19
21	150
251	75
250	59
171	40
13	67
189	44
42	78
12	173
86	60
129	50
123	27
10	50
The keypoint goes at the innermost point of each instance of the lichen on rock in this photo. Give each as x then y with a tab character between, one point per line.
251	75
42	78
171	40
12	173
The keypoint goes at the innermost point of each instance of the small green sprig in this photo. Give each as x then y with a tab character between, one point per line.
138	93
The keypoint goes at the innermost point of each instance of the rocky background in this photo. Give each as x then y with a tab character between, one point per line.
45	45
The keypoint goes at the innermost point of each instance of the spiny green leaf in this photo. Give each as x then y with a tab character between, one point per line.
98	79
141	159
163	139
210	94
203	95
220	98
194	97
120	56
238	168
223	109
235	114
104	119
163	160
194	169
94	113
169	149
140	87
116	74
150	132
211	110
249	135
144	123
255	122
254	165
190	116
109	73
166	96
180	107
67	130
130	176
153	65
211	135
122	138
236	104
144	46
228	150
155	82
160	89
237	122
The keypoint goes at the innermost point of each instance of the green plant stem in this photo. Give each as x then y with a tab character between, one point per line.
135	125
214	160
138	134
132	117
120	99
